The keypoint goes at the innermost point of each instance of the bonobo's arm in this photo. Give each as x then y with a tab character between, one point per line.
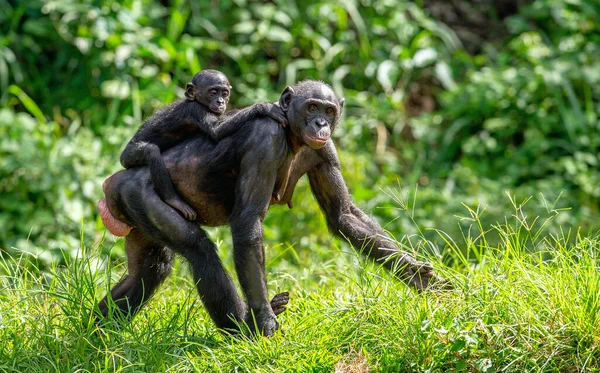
265	150
349	222
232	121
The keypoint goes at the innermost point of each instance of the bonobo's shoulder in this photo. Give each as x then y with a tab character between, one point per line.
264	134
266	129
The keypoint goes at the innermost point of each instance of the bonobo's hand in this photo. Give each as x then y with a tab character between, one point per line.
418	274
275	112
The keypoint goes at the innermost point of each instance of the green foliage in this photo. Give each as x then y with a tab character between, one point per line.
49	179
529	114
530	304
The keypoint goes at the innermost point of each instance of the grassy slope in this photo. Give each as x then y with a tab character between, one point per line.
512	310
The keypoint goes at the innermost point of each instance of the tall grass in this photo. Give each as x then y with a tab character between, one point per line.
530	303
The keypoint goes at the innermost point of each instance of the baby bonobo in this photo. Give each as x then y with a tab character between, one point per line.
201	111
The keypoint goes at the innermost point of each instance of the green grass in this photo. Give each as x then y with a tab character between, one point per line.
530	304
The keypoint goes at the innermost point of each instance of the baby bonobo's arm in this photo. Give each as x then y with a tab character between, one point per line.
231	122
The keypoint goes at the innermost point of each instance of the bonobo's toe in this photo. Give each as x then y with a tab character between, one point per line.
279	302
183	208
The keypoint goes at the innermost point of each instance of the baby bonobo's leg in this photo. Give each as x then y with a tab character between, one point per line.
163	183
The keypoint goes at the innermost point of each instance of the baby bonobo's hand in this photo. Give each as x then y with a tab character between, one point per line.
275	112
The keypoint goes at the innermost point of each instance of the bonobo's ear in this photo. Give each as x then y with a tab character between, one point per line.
190	91
286	98
342	100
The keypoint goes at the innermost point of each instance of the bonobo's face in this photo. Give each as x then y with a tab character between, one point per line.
313	110
210	88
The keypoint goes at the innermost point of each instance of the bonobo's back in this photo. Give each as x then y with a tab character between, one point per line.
225	155
202	169
204	173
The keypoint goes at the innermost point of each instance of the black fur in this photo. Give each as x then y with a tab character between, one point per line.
200	112
243	168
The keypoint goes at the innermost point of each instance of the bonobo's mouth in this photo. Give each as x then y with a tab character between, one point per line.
218	109
315	142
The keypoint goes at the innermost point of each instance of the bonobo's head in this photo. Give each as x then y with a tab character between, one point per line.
312	110
210	88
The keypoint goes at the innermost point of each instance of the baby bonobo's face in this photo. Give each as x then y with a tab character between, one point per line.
212	90
216	97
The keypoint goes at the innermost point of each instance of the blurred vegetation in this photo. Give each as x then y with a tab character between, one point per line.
518	112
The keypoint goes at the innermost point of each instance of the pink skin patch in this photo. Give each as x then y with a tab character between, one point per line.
114	226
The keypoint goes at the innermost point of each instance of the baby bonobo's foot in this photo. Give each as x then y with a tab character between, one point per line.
183	208
279	302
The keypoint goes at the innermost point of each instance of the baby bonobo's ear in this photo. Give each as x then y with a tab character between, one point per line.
286	98
190	91
342	100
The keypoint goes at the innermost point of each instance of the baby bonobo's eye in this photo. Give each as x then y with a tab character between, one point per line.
225	94
312	107
329	111
212	92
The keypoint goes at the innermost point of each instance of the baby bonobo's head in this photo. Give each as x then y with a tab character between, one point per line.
210	88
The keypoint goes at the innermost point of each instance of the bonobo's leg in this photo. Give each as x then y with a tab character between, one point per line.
254	188
249	258
160	175
216	288
149	263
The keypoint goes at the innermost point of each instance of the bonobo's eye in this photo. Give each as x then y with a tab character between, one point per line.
225	94
312	107
329	111
212	92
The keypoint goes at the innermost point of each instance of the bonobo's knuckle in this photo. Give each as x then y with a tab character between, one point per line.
151	149
262	108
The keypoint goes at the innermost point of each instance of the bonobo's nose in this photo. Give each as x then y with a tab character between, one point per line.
321	122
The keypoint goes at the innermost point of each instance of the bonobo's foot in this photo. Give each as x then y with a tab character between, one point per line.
183	208
279	302
420	275
263	322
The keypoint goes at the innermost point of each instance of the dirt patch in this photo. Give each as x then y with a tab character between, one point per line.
352	363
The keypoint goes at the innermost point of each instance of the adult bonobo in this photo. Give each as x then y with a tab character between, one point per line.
231	182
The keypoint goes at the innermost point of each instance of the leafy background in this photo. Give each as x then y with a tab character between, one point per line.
480	104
